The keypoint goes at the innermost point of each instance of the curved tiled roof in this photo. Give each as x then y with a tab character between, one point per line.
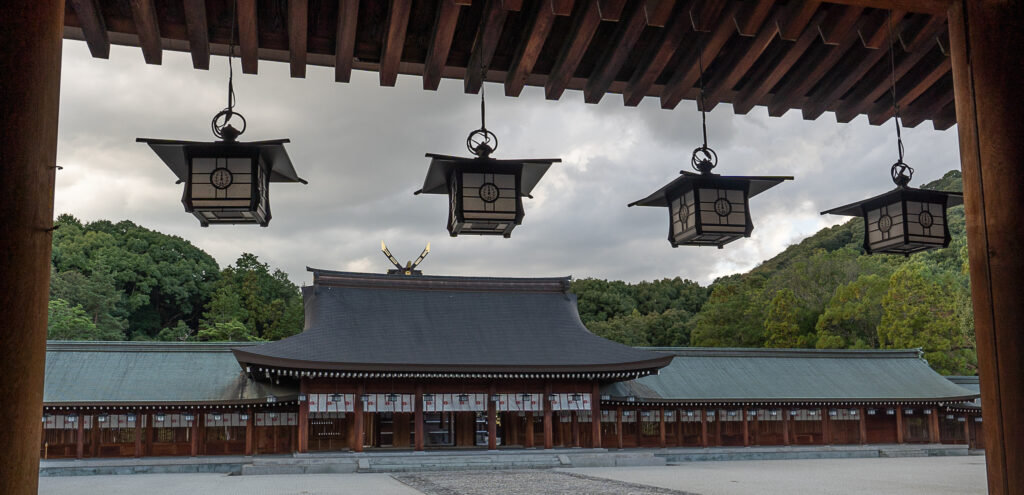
370	322
792	375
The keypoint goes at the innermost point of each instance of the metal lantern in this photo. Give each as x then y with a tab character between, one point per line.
130	417
103	417
494	398
391	398
159	417
243	416
463	398
217	416
428	397
72	417
485	195
904	220
335	397
189	417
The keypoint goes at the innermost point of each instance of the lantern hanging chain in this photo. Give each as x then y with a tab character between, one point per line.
901	172
220	124
704	159
482	142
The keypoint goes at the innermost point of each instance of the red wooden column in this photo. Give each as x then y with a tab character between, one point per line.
661	427
618	427
575	428
595	416
933	426
492	421
302	430
548	434
899	425
863	423
147	447
785	426
986	37
967	430
138	434
197	418
704	428
80	446
30	34
746	427
826	427
357	421
250	432
418	418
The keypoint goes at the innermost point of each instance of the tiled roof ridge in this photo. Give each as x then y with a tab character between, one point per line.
788	353
330	278
135	346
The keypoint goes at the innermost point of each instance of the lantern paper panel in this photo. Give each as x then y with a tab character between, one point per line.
904	220
484	203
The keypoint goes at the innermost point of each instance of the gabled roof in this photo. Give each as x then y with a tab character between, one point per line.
797	375
389	323
110	373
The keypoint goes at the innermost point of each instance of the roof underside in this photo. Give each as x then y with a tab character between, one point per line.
98	373
784	375
389	323
784	54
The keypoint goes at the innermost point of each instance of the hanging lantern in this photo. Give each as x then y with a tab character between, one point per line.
428	397
336	397
217	416
72	417
905	220
159	417
485	195
243	416
103	417
707	209
189	417
463	398
130	417
391	398
227	181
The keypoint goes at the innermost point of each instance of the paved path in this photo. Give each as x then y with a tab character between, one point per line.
903	476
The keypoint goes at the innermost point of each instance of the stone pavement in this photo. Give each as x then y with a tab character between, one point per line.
904	476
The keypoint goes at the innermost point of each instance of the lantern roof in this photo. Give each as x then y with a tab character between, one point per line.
172	152
757	185
856	209
532	169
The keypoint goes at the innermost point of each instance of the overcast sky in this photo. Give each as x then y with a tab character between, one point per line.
361	148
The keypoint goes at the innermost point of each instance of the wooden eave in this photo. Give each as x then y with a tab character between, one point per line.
783	54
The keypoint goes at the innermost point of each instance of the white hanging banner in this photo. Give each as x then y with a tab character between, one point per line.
517	402
571	402
400	403
455	403
326	403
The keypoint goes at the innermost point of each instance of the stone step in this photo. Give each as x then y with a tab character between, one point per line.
902	453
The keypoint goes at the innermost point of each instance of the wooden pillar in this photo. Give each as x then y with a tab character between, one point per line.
548	436
302	430
492	421
618	427
357	421
575	428
986	37
528	441
785	426
195	434
30	34
718	429
94	445
138	434
147	447
863	423
826	427
704	428
746	428
661	427
418	419
933	426
595	416
679	428
80	437
899	425
967	430
250	432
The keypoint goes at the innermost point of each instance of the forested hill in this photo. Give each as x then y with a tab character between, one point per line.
823	292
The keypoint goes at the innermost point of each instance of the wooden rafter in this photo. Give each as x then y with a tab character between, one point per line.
248	38
748	22
650	67
626	35
748	55
94	29
883	110
542	17
198	33
487	35
796	19
147	27
688	73
587	18
941	96
658	12
345	41
611	10
298	15
394	40
440	43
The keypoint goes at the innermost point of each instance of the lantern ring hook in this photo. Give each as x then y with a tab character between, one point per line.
221	127
901	173
482	142
704	159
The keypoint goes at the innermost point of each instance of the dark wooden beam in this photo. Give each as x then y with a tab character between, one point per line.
658	12
492	22
880	37
542	17
883	110
651	66
748	53
584	26
946	117
796	18
868	92
762	81
198	33
626	35
563	7
147	27
838	23
839	82
917	6
938	97
749	21
94	29
394	40
807	75
298	16
345	43
687	74
512	5
611	10
248	38
440	43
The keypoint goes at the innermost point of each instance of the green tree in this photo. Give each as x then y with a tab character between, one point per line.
852	316
232	331
780	324
96	294
733	316
265	302
67	322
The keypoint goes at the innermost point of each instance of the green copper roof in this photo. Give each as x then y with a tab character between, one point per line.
149	373
780	375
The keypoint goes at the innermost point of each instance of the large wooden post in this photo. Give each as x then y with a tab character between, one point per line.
785	426
863	423
933	426
826	427
492	421
250	432
302	429
194	447
138	434
147	447
528	441
899	425
704	428
548	434
986	37
80	444
746	427
595	416
618	427
30	34
357	421
967	431
661	428
418	418
575	425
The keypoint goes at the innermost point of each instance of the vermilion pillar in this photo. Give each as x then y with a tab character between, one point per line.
492	421
418	419
357	421
302	430
30	34
595	416
986	37
548	433
899	425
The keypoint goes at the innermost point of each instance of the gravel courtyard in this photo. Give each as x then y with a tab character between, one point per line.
914	475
